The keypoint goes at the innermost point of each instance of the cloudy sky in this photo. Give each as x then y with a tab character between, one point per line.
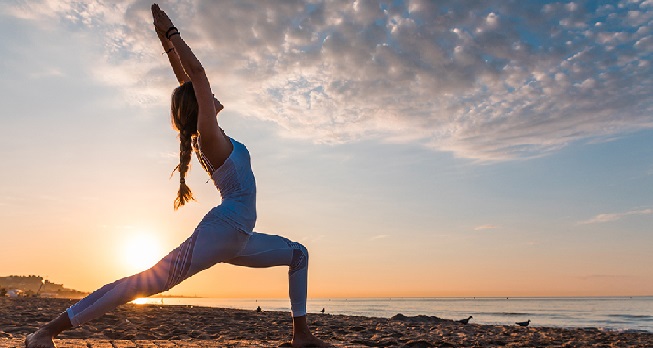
418	148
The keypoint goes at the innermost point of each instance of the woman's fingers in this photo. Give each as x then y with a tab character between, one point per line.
157	13
161	20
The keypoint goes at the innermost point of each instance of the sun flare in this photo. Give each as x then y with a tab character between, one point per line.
140	301
141	252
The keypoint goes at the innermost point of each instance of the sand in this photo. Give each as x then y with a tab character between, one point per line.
185	326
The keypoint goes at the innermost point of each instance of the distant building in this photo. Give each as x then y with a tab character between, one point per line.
37	286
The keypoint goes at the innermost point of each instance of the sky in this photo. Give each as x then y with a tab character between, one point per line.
417	148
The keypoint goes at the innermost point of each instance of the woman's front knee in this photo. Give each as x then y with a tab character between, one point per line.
299	258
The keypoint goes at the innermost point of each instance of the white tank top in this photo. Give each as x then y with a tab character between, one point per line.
235	181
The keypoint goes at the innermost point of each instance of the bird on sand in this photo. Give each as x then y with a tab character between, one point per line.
523	323
465	321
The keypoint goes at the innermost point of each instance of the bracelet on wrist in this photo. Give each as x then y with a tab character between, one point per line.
169	50
168	34
173	34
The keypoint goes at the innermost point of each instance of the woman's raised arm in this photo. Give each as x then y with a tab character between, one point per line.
175	63
207	124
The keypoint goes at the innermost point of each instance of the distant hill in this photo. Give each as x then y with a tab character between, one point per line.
32	285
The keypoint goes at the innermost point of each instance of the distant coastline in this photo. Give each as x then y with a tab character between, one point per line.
175	296
35	286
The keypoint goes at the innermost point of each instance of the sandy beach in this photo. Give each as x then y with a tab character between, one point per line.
185	326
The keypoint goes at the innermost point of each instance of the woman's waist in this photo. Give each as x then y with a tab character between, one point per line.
243	206
238	213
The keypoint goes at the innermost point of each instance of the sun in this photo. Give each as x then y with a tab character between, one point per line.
141	251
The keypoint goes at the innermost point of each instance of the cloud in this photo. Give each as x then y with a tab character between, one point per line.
601	218
488	80
485	227
380	236
604	277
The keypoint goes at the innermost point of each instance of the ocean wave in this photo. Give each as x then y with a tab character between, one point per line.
632	317
624	330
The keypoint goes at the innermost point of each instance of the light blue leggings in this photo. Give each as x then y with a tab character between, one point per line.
213	241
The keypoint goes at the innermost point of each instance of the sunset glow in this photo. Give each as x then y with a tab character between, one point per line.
416	148
140	301
141	252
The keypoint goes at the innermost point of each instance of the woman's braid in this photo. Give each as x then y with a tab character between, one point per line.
185	151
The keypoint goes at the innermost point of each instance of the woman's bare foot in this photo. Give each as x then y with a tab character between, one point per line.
39	339
302	336
308	341
44	337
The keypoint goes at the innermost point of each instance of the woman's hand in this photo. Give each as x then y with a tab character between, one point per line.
161	35
161	20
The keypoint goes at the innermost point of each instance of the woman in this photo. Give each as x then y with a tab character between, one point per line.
225	234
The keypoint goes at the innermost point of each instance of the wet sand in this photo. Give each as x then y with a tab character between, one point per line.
185	326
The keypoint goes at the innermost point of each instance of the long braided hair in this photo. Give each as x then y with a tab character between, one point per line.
183	114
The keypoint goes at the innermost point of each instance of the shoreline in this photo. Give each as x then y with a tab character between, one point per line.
171	323
613	314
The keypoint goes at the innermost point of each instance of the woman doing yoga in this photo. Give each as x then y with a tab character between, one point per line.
225	234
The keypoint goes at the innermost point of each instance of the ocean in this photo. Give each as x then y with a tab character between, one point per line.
609	313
